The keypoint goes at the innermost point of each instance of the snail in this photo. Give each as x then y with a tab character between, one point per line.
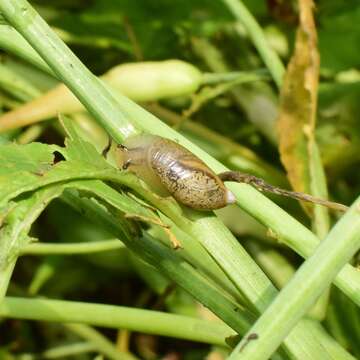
170	169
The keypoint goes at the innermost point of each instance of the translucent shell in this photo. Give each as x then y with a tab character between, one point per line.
169	168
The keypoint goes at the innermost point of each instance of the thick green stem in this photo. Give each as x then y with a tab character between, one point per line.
313	277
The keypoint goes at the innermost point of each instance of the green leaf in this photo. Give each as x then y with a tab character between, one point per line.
15	228
34	158
79	149
339	34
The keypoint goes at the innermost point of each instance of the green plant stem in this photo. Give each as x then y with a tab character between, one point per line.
321	218
14	84
236	76
13	42
71	248
103	345
5	278
303	289
318	187
44	272
275	265
260	296
343	322
68	350
32	133
269	56
145	321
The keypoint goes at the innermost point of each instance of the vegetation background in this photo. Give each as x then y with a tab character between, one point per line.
63	209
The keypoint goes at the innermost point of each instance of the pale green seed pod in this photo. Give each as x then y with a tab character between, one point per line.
150	81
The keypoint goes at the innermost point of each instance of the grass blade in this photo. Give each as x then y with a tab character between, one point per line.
145	321
301	292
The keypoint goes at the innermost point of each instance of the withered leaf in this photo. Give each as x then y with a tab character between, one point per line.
298	101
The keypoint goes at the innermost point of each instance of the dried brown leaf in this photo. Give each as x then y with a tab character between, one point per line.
298	101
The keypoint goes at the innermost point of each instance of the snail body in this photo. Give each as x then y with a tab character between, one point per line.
170	169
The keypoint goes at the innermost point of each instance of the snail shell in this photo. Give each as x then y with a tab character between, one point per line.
169	168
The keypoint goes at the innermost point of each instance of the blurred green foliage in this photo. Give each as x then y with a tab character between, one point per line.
104	33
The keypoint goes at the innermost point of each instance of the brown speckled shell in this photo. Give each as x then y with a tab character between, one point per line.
180	172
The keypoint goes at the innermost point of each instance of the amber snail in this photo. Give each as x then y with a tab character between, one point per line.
169	168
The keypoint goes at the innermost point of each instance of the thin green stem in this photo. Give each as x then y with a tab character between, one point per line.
145	321
16	85
269	56
44	272
5	278
318	186
300	293
321	218
31	134
68	350
236	76
103	345
71	248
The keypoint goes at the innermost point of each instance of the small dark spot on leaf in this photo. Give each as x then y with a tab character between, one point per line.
249	338
253	336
